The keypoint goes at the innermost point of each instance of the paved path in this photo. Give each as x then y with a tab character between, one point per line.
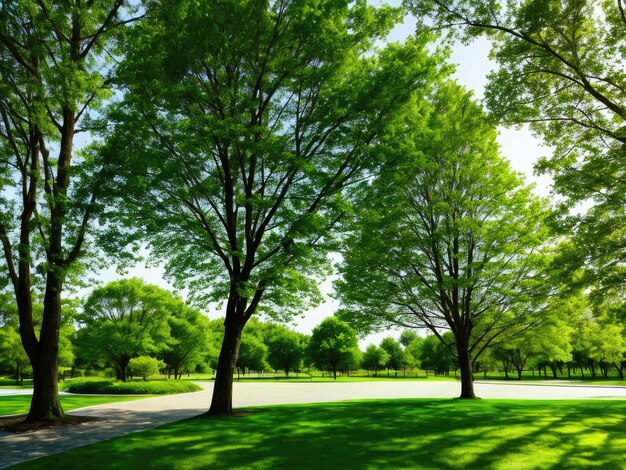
123	418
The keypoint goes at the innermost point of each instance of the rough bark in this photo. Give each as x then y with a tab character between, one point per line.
465	367
222	400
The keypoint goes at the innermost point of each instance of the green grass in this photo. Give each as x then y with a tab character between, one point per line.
111	386
19	404
429	434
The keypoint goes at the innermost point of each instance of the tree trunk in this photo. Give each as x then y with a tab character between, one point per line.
45	404
554	374
222	401
465	366
122	364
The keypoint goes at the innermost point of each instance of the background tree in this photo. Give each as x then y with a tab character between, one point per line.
332	343
53	71
125	319
188	344
446	239
414	351
253	353
374	358
436	355
246	121
397	357
607	345
285	348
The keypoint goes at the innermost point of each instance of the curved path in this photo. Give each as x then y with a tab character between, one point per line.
117	419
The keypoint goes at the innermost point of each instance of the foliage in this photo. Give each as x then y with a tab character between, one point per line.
468	435
145	366
90	385
560	68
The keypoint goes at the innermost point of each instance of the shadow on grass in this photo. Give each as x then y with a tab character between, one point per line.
378	434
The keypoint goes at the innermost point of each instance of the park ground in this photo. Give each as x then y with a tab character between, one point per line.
383	429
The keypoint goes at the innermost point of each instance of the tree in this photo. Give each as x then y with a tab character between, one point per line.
350	361
285	348
125	319
607	345
397	357
52	72
242	125
332	342
374	358
448	238
253	352
145	366
436	355
561	71
188	343
414	351
12	353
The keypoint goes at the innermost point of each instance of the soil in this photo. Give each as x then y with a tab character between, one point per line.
19	425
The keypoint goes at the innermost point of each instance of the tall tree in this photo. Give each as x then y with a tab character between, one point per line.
560	69
446	239
52	72
250	118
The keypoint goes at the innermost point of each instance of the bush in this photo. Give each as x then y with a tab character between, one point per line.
145	366
88	385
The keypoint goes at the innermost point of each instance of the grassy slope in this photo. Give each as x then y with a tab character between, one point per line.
17	404
501	434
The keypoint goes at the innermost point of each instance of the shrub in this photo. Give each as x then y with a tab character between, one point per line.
88	385
144	366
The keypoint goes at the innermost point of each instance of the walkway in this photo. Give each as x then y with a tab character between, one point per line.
122	418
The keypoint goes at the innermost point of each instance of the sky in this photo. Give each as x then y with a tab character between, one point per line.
517	145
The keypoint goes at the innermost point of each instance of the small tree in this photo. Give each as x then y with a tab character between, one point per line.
436	355
374	358
397	357
332	342
145	366
285	348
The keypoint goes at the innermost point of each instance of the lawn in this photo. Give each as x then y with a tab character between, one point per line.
430	434
18	404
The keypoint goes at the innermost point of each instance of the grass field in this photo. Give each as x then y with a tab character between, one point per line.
18	404
430	434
